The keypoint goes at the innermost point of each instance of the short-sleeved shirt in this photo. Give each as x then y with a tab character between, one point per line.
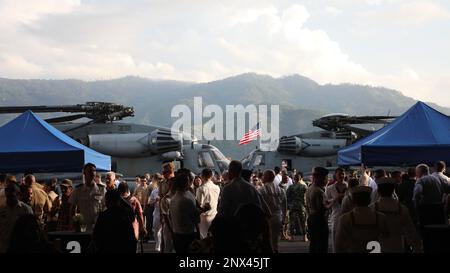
152	200
137	208
184	214
445	183
141	193
332	192
315	201
40	203
90	201
208	193
428	190
164	187
278	178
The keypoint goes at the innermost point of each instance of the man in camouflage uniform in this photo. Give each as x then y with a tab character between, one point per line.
296	205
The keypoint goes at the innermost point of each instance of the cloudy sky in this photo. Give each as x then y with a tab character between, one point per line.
401	44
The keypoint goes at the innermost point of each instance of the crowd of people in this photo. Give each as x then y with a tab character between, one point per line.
392	209
239	211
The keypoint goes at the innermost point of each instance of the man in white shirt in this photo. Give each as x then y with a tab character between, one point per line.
366	180
184	215
157	228
373	183
440	168
207	195
335	194
279	177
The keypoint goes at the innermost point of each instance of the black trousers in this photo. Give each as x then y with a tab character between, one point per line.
181	242
431	214
318	233
148	213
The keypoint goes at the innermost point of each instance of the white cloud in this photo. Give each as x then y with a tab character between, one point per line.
12	65
353	3
422	86
408	13
382	2
421	11
408	80
334	11
201	46
25	12
194	41
293	19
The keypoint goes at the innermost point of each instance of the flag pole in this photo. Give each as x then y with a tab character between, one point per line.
259	137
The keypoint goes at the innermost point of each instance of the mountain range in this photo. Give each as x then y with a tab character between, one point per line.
300	99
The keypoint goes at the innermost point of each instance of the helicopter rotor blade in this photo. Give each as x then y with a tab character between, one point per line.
79	126
361	132
65	118
368	121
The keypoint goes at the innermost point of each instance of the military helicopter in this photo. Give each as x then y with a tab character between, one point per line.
134	148
304	151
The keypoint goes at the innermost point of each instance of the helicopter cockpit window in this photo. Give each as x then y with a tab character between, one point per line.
218	155
222	166
287	164
205	160
246	158
259	160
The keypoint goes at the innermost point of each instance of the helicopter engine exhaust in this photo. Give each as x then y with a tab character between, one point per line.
310	147
138	144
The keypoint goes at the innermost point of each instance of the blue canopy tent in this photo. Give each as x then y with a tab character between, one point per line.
28	143
420	135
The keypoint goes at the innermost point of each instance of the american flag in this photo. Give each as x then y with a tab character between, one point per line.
251	135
